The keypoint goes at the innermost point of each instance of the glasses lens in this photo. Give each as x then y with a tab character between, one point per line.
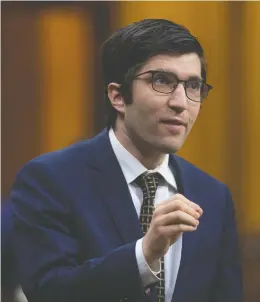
164	82
196	90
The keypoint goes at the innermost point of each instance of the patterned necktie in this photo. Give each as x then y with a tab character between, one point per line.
149	182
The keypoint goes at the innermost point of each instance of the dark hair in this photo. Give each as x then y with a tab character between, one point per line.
127	49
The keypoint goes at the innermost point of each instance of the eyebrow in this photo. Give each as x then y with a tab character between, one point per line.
190	78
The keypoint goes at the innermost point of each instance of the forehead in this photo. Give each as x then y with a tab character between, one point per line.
184	66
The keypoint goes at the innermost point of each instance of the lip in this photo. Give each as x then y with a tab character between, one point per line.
174	122
174	125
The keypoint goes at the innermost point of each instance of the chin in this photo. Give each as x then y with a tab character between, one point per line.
165	145
171	146
172	149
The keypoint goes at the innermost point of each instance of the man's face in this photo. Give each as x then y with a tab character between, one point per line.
156	121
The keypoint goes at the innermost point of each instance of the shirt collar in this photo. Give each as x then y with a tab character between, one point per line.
131	166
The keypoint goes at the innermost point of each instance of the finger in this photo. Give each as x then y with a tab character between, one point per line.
175	205
191	204
182	198
173	230
177	217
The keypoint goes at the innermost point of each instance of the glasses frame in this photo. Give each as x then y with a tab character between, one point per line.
154	72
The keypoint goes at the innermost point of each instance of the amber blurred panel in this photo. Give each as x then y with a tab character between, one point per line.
251	149
66	44
251	117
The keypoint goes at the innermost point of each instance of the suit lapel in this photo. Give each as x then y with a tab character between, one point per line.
111	186
189	240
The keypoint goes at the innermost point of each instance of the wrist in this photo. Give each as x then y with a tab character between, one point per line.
148	255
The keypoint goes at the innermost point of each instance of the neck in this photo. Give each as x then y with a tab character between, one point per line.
143	152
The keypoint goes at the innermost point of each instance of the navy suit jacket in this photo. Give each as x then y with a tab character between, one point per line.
76	229
9	273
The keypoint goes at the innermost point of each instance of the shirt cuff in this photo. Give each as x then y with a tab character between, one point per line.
148	273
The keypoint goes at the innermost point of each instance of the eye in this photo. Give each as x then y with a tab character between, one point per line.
161	78
194	85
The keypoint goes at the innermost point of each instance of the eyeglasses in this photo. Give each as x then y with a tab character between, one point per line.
166	82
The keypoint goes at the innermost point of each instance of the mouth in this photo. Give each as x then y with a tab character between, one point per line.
175	122
175	125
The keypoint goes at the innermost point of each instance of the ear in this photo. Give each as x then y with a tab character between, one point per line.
116	99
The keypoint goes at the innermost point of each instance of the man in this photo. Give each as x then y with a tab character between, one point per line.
118	217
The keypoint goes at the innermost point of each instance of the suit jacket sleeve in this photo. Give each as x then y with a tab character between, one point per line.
48	249
228	283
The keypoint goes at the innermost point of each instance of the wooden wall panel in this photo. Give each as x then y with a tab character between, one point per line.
20	111
66	44
251	118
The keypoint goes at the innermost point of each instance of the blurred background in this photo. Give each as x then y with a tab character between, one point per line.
52	91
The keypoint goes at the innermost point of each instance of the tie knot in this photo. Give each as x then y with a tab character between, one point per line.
148	182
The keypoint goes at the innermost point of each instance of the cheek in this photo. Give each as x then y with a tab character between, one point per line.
191	121
145	111
137	116
193	116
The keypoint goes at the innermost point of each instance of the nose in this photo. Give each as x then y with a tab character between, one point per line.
178	100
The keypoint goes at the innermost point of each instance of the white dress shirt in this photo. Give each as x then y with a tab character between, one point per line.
131	169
